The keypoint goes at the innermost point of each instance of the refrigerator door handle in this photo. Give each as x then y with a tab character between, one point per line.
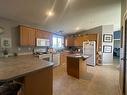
123	58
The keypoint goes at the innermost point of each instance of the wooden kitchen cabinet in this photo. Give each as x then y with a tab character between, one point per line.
43	34
39	33
92	37
32	40
47	35
69	41
76	67
79	41
27	36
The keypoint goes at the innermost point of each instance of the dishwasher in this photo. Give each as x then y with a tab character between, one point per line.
56	59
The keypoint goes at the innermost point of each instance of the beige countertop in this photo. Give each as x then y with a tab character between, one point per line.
78	56
13	67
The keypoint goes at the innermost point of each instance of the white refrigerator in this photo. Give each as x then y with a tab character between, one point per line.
89	49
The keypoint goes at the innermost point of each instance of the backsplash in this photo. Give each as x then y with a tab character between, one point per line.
18	50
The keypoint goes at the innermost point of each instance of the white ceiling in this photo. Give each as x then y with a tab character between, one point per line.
69	14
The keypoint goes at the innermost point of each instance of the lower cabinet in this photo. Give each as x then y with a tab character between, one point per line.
37	83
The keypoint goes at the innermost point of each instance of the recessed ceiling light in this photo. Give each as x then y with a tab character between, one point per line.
77	28
50	13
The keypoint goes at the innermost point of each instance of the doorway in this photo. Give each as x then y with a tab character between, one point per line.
116	49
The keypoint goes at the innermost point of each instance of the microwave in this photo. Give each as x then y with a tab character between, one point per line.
42	42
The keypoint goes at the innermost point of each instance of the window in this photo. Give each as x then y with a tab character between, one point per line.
58	42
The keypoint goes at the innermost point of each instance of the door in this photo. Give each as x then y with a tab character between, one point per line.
124	59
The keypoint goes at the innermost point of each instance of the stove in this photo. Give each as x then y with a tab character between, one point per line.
43	54
47	57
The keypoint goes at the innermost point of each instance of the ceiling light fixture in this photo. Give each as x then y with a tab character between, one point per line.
77	28
50	13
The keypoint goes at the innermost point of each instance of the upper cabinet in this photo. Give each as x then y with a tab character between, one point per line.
39	33
91	37
43	34
69	41
27	36
78	41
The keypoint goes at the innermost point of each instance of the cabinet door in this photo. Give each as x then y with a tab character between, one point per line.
92	37
27	36
24	36
69	41
31	37
39	33
79	41
46	35
43	34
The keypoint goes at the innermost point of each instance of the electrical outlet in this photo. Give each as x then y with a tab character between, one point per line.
29	48
19	49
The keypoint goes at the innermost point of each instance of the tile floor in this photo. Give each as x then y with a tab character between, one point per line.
100	80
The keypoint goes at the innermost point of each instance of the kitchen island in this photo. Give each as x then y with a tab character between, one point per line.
76	66
36	74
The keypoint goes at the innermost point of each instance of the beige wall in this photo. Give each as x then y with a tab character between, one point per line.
107	57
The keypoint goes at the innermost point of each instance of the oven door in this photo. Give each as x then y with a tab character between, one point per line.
47	57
